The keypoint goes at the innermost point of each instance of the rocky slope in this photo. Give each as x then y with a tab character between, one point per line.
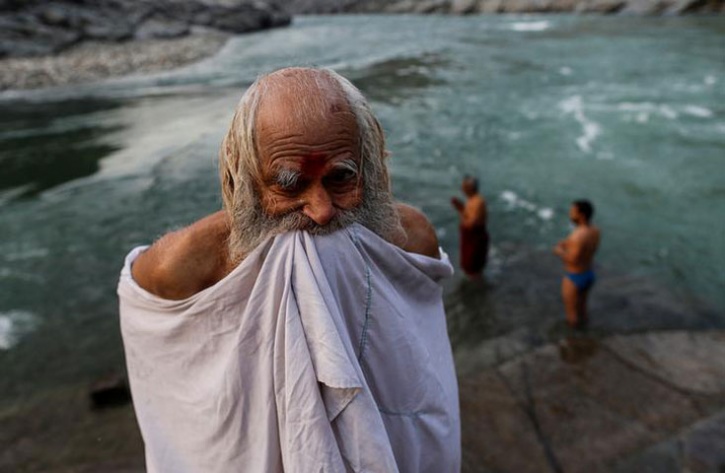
646	7
36	28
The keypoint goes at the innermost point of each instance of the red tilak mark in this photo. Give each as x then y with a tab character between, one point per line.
313	164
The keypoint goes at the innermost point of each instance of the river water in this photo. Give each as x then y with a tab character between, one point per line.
628	112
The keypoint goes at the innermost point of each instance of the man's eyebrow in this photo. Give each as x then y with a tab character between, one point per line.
286	178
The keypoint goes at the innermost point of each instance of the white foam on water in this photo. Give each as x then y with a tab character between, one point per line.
545	213
515	202
32	253
590	129
667	112
648	108
565	71
710	80
696	111
13	325
531	26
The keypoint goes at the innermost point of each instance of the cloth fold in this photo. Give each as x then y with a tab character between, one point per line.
317	353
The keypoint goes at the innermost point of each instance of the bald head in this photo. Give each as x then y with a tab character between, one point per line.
301	95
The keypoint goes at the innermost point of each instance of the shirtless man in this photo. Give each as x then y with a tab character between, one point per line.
303	152
474	235
577	253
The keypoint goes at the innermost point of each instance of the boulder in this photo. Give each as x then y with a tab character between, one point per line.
491	6
600	6
623	404
33	27
155	28
646	7
111	391
686	6
464	7
431	6
25	35
703	450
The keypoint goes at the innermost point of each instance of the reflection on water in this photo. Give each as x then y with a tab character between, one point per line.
47	144
575	350
393	80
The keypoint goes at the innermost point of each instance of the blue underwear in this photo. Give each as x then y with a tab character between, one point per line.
582	281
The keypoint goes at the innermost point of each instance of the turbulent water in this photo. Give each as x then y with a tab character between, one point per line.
628	112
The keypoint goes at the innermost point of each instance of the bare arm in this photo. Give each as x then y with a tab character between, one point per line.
457	204
569	250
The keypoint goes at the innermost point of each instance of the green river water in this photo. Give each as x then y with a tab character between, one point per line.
628	112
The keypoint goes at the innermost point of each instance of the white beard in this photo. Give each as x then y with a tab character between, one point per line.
251	226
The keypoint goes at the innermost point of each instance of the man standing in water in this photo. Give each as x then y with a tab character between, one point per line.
474	235
577	253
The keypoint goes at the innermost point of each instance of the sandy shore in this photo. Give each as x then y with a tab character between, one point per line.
90	62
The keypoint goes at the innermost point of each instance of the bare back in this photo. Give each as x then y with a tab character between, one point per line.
474	212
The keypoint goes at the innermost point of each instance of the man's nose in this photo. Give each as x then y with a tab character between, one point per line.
319	206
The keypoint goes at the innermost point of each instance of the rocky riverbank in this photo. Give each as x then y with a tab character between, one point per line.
642	7
93	61
621	404
70	41
626	403
37	28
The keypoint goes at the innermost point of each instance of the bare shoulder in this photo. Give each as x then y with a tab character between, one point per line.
187	261
420	233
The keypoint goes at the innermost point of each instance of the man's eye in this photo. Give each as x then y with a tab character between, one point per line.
342	176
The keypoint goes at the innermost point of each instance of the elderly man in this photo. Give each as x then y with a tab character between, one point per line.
302	327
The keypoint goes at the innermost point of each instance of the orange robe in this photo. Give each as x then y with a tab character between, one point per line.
474	248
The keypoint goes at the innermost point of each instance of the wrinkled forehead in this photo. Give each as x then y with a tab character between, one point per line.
306	105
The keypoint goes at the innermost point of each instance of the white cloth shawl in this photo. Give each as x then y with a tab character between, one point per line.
317	353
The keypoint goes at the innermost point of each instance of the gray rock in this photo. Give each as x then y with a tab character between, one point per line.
430	6
686	6
704	446
646	7
600	6
463	7
692	363
493	425
664	457
585	405
22	35
37	28
154	28
491	6
106	29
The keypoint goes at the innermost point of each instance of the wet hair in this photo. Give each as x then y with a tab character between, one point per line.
472	181
585	207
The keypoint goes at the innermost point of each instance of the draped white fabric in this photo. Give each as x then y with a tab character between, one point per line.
317	353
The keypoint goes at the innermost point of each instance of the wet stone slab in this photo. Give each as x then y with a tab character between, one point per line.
627	403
